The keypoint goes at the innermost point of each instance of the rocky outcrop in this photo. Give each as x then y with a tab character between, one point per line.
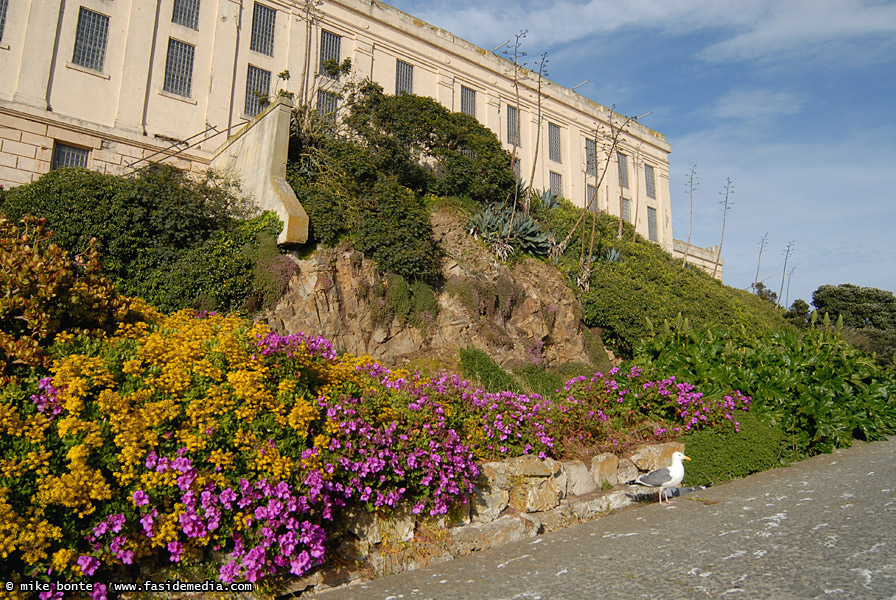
520	314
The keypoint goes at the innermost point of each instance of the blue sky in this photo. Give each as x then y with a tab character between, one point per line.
794	100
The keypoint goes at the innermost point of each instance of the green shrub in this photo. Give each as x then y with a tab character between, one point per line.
162	236
822	391
428	148
396	232
880	342
539	381
223	272
646	285
43	291
479	367
718	456
328	221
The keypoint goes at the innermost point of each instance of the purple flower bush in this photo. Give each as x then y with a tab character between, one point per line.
211	437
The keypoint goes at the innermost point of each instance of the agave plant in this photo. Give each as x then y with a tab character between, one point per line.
612	255
521	232
548	199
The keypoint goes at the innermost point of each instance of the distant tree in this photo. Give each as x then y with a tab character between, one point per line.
799	313
765	293
860	307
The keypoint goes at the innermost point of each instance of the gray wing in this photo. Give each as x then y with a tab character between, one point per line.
655	478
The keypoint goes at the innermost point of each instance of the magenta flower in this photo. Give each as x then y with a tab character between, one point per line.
88	564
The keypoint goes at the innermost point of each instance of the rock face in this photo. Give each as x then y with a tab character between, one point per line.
522	314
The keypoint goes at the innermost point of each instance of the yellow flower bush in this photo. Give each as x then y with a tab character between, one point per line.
187	431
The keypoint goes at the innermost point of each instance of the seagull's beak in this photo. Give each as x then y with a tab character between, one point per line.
687	458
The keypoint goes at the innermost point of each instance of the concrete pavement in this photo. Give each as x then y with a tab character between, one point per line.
821	528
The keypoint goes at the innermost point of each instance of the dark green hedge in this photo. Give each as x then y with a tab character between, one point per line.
163	236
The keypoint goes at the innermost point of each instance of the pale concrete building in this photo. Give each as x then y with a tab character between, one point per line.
109	84
701	258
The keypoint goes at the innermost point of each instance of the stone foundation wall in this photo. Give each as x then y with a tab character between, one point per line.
26	149
514	499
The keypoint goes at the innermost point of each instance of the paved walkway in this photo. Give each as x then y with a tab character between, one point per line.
821	528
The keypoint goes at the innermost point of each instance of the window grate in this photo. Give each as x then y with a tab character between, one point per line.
652	233
623	169
513	125
327	104
517	168
186	13
68	156
3	5
554	142
590	191
556	184
90	40
626	210
591	157
179	68
404	78
258	86
263	19
468	101
330	48
650	181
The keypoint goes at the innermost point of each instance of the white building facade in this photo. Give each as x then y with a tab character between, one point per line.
110	84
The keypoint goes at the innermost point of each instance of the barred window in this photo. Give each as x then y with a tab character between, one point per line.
186	13
90	39
513	125
327	103
179	68
650	181
554	142
68	156
467	101
590	192
626	210
652	233
517	168
591	157
623	169
330	48
258	86
3	4
556	184
263	19
404	78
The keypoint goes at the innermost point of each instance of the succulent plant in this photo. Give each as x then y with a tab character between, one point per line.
494	224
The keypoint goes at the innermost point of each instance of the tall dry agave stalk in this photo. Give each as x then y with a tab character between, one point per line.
726	206
690	185
612	143
637	162
786	253
517	54
762	244
309	11
542	72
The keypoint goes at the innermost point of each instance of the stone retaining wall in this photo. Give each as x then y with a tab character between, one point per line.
513	500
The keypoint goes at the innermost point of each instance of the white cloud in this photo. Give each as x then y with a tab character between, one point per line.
829	196
756	104
768	30
806	28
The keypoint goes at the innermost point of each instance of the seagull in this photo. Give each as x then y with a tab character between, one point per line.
665	478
